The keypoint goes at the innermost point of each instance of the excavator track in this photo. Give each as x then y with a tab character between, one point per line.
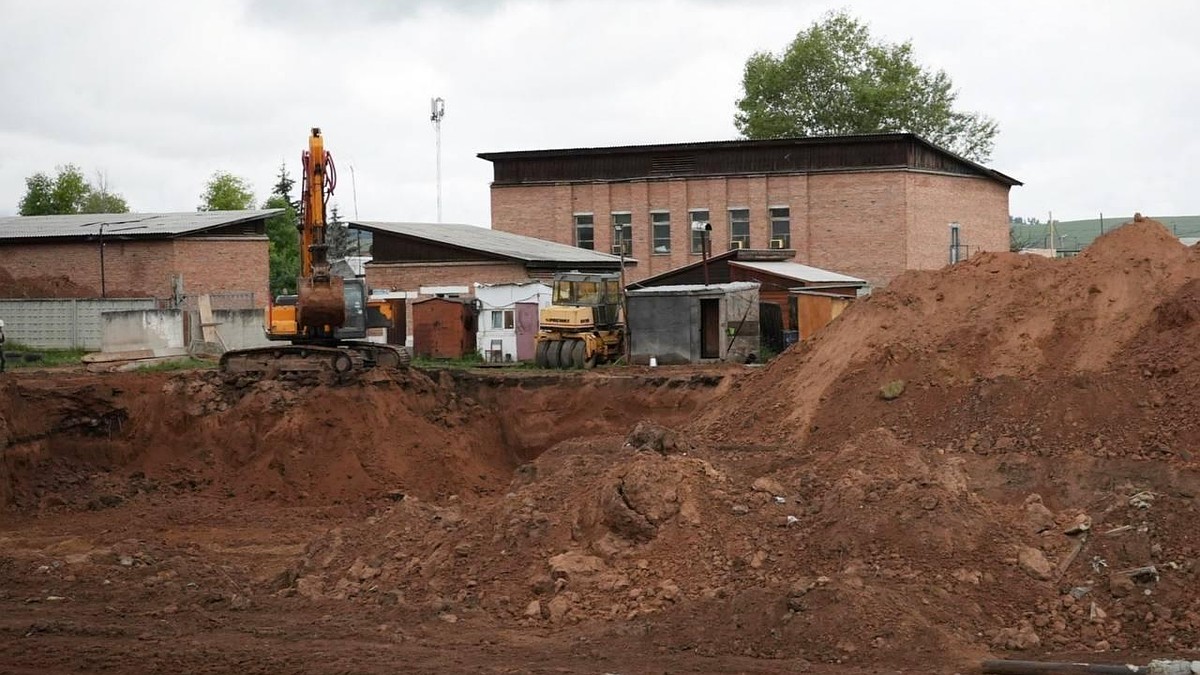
344	358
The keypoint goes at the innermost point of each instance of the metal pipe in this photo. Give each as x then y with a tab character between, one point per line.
1001	667
103	292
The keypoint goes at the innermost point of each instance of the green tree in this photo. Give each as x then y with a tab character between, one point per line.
101	199
104	202
835	78
68	192
284	235
38	199
337	235
226	192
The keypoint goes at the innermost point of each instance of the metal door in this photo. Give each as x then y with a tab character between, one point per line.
710	328
526	327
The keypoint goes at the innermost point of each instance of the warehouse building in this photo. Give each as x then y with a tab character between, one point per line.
171	257
869	206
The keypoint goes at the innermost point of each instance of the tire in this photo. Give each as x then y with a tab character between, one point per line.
539	354
553	352
578	349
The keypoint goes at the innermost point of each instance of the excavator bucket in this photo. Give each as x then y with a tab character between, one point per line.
321	304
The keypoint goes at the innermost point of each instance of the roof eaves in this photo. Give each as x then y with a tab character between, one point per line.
694	145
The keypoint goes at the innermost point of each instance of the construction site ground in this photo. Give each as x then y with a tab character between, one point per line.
994	460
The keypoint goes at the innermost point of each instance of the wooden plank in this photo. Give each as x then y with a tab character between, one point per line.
207	325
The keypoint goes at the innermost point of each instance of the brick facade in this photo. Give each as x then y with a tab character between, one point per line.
143	268
869	224
410	277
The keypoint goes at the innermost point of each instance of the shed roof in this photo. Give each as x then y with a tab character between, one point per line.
793	270
697	289
485	240
131	225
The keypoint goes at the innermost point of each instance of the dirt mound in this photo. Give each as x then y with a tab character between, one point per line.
72	441
43	286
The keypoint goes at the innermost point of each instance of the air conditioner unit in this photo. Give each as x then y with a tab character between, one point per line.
777	243
618	249
737	244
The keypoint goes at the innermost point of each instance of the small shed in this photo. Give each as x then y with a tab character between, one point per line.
508	319
694	323
814	308
444	328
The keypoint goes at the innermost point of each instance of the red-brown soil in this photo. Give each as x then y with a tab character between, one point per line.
44	286
796	520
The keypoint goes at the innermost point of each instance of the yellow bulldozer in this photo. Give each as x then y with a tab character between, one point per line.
584	325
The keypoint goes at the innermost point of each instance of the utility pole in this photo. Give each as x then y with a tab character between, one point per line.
437	110
357	232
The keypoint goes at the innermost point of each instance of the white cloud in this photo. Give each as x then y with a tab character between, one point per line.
1094	99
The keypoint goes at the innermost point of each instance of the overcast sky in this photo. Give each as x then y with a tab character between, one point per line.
1098	101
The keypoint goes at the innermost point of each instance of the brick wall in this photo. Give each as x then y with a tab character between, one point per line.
144	268
131	268
873	225
856	224
215	265
412	276
978	205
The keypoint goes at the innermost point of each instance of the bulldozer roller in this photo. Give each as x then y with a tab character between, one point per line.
566	353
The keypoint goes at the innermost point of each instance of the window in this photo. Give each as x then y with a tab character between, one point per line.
623	222
502	318
661	224
699	219
585	231
955	244
739	228
781	227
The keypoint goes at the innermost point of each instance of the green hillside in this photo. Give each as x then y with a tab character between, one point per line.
1077	234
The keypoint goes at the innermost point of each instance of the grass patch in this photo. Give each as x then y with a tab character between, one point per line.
18	355
469	361
892	390
183	363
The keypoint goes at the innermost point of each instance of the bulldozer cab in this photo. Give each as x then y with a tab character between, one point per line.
587	290
601	292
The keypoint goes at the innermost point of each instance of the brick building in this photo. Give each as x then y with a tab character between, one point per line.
144	255
421	260
869	206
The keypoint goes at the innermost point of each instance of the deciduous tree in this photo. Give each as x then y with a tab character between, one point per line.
226	192
835	78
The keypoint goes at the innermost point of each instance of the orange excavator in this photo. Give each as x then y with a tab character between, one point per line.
326	322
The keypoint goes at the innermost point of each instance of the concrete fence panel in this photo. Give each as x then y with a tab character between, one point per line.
62	324
239	328
158	330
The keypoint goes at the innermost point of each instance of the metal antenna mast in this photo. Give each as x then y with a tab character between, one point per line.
437	110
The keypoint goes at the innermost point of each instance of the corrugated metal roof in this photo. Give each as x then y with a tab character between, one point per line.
503	244
799	272
133	225
696	289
